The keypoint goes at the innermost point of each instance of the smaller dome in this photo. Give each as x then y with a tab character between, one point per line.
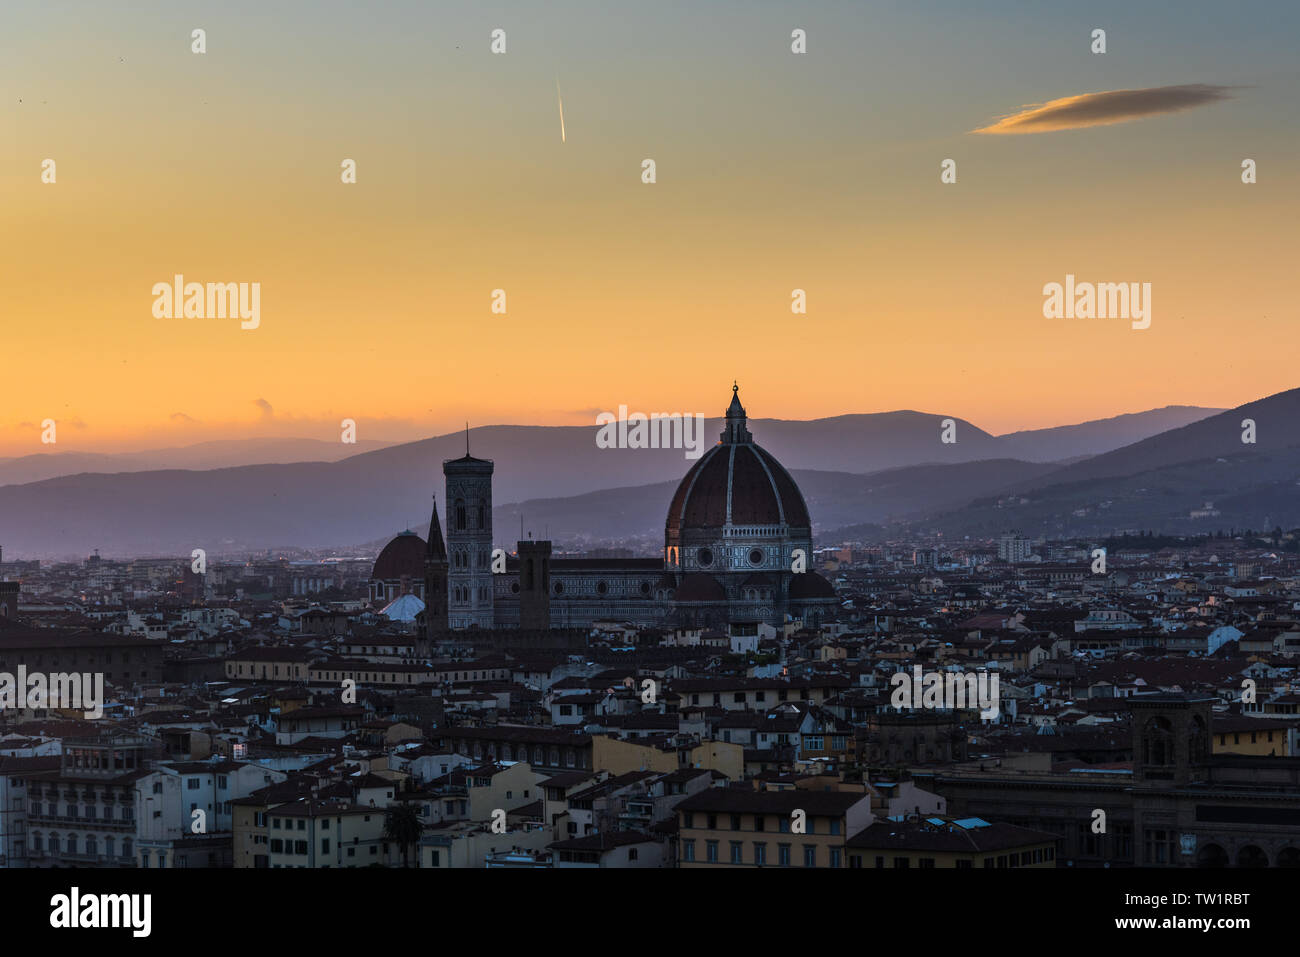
403	609
402	557
810	585
700	587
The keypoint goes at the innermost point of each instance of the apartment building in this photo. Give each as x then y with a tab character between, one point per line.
84	812
741	827
311	833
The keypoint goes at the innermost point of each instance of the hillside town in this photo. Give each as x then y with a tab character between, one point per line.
268	713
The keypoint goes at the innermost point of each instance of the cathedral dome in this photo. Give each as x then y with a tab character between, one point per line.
736	483
403	557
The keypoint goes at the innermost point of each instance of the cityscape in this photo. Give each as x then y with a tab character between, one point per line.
749	697
743	435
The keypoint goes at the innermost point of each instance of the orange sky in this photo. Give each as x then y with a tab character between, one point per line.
773	174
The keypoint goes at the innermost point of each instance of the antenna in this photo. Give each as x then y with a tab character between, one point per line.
467	439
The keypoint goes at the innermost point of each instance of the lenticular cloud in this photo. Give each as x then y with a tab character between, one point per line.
1103	109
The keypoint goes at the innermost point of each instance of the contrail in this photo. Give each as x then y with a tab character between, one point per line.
561	101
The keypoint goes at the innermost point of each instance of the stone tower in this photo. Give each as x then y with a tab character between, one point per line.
469	541
9	600
435	578
535	585
1171	737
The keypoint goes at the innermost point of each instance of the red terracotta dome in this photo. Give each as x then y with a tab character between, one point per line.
402	557
737	482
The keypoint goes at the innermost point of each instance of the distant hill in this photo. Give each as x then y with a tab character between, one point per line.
202	455
854	469
1098	436
1156	483
564	460
1277	421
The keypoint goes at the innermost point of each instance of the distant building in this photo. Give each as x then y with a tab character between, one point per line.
9	600
1013	548
399	570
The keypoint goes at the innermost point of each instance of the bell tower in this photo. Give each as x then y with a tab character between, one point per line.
468	502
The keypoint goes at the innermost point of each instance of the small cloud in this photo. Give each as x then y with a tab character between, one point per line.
1103	109
76	423
181	417
267	411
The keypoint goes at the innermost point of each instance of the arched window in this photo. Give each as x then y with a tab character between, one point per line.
1198	741
1158	742
1252	856
482	523
460	514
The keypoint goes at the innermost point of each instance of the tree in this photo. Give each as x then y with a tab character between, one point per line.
402	826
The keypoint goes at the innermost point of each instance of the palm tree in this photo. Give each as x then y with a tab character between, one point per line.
403	826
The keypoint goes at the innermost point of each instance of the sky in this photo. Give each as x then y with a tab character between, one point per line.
775	171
